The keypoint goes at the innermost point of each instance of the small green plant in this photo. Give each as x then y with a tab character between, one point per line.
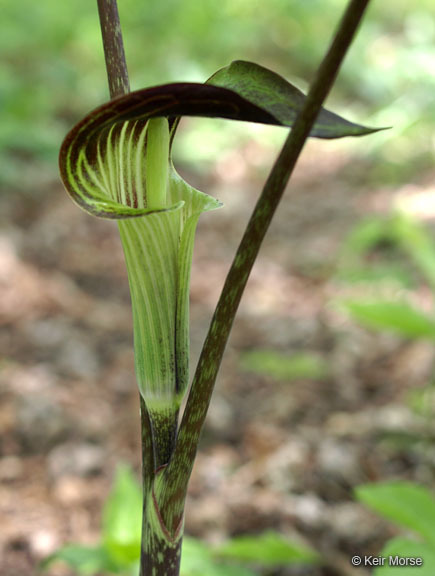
394	252
411	507
116	164
119	549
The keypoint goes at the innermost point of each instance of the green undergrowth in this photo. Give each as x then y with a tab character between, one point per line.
118	551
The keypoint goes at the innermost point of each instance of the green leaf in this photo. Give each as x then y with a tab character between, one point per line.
122	519
269	549
284	367
397	317
85	560
407	504
403	548
282	100
197	560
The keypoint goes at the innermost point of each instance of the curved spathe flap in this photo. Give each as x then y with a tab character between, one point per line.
102	158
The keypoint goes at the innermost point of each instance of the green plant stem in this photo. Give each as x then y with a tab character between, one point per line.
160	552
174	479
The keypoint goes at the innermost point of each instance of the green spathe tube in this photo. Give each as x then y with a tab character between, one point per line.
125	172
158	251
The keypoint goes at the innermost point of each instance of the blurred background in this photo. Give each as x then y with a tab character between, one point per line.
327	380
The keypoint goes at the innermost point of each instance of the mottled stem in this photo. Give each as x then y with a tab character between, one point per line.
114	55
174	479
160	551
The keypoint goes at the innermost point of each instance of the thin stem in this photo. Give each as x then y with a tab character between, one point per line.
114	54
175	477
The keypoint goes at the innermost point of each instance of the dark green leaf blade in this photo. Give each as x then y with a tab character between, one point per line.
270	91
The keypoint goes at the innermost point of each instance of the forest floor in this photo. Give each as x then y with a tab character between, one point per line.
274	454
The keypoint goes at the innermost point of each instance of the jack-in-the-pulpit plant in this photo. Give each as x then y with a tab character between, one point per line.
116	163
125	172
